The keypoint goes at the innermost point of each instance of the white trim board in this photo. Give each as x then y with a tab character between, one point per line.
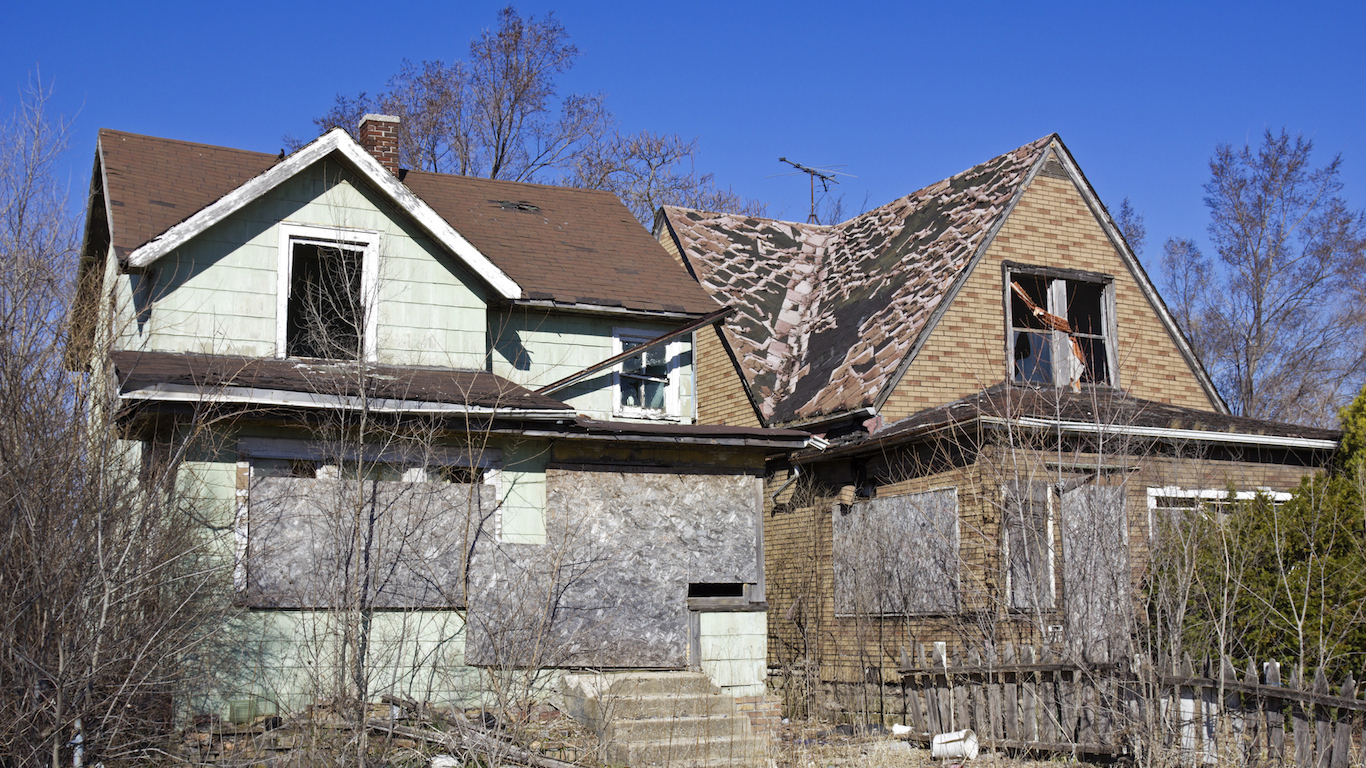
335	140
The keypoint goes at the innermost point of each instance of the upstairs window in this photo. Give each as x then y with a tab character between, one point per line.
1060	327
646	384
325	306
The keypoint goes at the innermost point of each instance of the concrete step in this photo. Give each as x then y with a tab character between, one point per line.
651	683
618	708
680	729
679	753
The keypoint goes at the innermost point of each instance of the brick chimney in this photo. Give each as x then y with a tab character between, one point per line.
379	136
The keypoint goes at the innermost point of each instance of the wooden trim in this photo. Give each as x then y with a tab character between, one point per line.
335	140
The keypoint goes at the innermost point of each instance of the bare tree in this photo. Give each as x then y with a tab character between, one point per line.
648	170
1132	226
499	115
1278	318
107	577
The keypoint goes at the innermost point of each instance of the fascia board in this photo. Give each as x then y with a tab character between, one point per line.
279	397
335	140
1140	275
1199	435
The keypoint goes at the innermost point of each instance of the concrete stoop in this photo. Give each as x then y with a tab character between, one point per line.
676	719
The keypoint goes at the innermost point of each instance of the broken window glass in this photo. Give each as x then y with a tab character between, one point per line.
325	313
644	378
1058	331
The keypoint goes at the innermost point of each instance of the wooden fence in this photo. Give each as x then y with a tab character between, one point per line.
1030	700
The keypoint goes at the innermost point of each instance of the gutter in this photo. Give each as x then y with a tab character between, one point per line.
248	395
701	322
1166	433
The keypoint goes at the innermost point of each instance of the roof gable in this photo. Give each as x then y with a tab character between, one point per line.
829	315
334	141
531	242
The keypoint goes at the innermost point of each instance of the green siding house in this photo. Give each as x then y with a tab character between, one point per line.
437	427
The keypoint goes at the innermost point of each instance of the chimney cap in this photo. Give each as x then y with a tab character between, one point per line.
378	118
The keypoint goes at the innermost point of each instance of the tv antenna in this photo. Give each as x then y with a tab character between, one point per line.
827	177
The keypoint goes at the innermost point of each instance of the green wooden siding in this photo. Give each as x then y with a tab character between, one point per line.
535	348
217	293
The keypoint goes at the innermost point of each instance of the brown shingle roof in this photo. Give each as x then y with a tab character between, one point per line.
154	184
563	244
827	314
207	373
567	245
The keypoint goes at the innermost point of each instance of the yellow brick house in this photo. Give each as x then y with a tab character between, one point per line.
1011	412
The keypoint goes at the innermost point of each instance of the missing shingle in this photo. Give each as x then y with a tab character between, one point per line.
517	205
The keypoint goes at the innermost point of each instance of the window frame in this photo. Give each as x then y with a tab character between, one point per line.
365	240
1157	493
1057	299
673	355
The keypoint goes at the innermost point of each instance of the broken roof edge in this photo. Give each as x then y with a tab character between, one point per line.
335	140
906	431
662	216
962	278
1145	284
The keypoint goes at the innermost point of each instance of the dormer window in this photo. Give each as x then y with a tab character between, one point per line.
646	384
325	304
1061	328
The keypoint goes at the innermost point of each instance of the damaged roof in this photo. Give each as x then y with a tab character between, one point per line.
162	375
1095	408
561	245
827	314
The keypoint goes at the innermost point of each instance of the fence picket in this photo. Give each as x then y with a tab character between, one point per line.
1253	720
1323	726
1304	738
1010	709
1342	736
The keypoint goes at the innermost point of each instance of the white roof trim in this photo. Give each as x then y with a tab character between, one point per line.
191	394
1140	275
1202	435
335	140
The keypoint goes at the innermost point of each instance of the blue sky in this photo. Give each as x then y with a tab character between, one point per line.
899	94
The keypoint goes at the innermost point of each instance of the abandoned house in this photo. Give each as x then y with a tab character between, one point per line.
1011	414
462	410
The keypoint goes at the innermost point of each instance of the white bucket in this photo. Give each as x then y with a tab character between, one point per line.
957	744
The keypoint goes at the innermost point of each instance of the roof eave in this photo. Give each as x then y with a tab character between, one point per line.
335	140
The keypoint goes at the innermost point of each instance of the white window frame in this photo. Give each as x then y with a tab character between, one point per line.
1155	494
1057	305
673	354
368	241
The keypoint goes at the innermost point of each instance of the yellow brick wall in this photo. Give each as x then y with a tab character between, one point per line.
805	634
1051	226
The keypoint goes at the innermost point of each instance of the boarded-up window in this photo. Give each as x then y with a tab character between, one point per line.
897	555
1095	570
1029	546
323	543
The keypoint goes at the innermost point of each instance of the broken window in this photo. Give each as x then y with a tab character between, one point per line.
1059	329
324	305
325	308
897	555
1028	529
645	383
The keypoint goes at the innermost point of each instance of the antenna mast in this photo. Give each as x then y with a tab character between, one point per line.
827	178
